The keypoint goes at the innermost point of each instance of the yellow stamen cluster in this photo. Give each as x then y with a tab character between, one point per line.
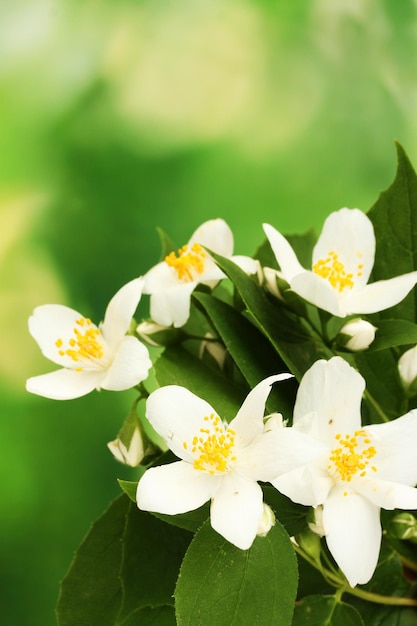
334	271
352	456
190	260
215	445
83	345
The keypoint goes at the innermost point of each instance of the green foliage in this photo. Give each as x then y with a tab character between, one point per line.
161	569
220	584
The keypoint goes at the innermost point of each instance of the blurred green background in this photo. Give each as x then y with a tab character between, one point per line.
118	117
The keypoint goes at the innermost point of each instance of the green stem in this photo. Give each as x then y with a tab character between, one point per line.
143	392
337	581
369	397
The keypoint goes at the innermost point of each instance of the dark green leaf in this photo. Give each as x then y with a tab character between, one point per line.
392	333
152	555
383	386
298	349
291	515
250	350
192	520
91	591
159	616
394	217
176	366
222	585
325	611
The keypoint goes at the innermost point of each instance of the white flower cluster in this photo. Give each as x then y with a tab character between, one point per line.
327	459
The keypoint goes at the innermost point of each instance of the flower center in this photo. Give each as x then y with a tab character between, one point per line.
352	456
85	344
214	446
334	271
188	261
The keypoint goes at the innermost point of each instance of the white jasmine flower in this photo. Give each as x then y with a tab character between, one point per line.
171	282
407	366
361	333
356	470
91	357
343	258
219	462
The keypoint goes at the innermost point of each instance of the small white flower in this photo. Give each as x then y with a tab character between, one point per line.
361	333
171	282
91	357
343	258
219	462
351	470
407	366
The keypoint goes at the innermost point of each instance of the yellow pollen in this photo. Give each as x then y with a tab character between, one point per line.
215	449
334	271
188	261
83	345
352	456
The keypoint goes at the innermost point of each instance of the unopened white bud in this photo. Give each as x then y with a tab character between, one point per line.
407	366
266	522
271	277
129	453
315	523
214	348
361	333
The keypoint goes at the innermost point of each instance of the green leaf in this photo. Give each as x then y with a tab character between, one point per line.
325	611
222	585
91	592
250	350
167	245
192	520
291	515
129	488
176	366
383	387
152	555
394	217
392	333
282	328
159	616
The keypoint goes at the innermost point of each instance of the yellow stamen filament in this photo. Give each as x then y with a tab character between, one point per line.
215	447
334	271
83	345
352	456
188	261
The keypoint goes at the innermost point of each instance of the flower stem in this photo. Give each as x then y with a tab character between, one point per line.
336	580
369	397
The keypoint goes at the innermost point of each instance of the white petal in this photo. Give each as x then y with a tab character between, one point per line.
120	311
178	415
159	278
319	292
248	422
350	234
353	534
65	384
236	510
276	452
386	494
380	295
332	390
215	235
285	255
396	445
308	485
130	365
246	263
51	322
172	306
174	488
